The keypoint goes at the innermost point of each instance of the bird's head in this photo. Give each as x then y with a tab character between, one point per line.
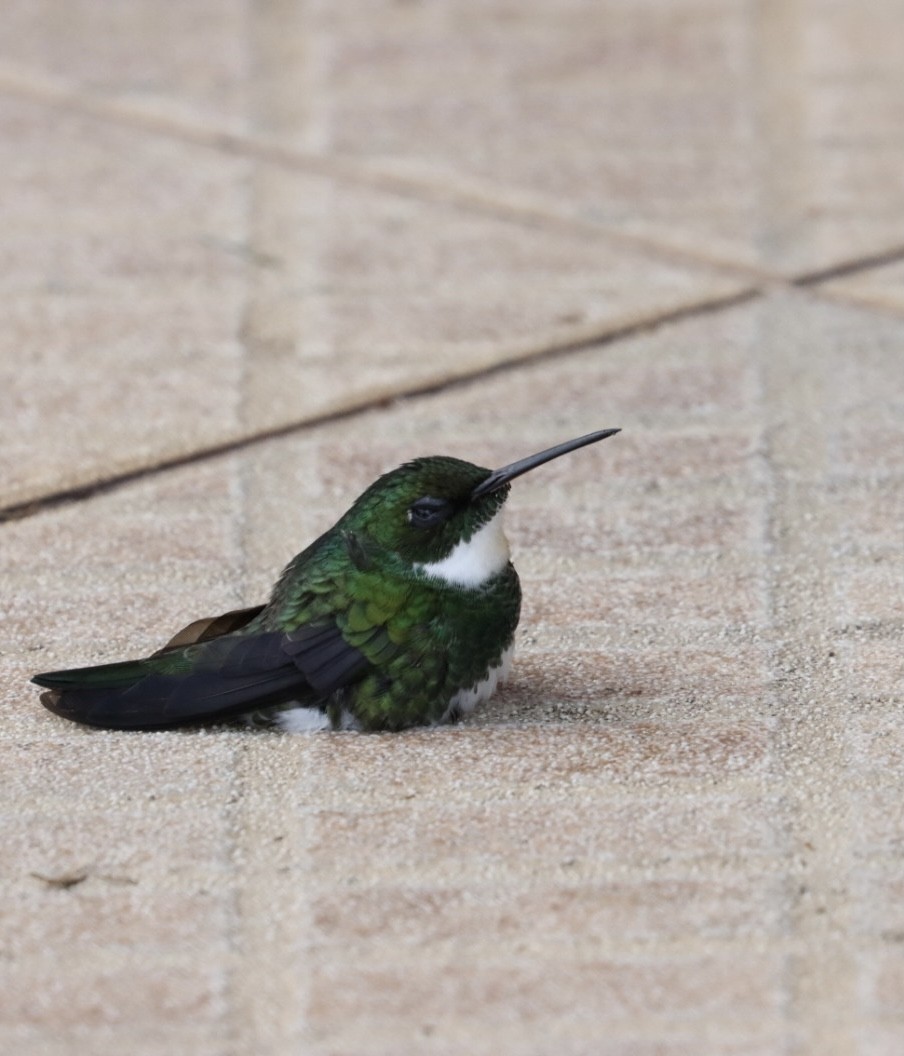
442	515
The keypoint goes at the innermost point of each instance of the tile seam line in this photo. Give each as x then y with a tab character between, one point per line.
812	712
843	269
547	353
490	201
57	93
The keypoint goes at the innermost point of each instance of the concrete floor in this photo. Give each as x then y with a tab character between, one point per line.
251	255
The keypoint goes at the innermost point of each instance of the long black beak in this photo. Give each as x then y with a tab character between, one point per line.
502	476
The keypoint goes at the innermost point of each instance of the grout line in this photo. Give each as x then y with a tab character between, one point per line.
854	266
512	205
554	350
811	708
487	199
473	195
876	305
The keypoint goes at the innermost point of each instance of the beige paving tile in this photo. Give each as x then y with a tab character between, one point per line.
583	992
852	96
880	906
111	910
45	996
679	820
192	63
882	817
159	1040
606	110
875	666
94	205
154	316
883	1040
93	580
607	912
380	295
885	978
815	442
120	306
880	287
678	830
766	137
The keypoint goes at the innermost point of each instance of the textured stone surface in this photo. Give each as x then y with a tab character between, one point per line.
678	823
192	63
766	133
161	300
678	830
881	288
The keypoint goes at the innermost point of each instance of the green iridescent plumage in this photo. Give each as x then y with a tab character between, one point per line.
399	615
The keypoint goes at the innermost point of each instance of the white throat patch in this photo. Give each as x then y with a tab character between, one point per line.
472	563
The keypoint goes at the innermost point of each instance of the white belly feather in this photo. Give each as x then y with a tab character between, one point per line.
310	720
466	700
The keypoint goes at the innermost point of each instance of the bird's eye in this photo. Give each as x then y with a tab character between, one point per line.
428	512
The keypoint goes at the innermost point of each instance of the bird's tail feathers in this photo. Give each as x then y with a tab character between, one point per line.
214	680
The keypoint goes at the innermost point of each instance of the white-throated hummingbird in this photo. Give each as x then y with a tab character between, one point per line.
402	614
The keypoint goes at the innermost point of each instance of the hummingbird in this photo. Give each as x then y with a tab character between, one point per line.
402	614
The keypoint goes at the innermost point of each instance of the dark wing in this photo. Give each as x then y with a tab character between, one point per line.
213	680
